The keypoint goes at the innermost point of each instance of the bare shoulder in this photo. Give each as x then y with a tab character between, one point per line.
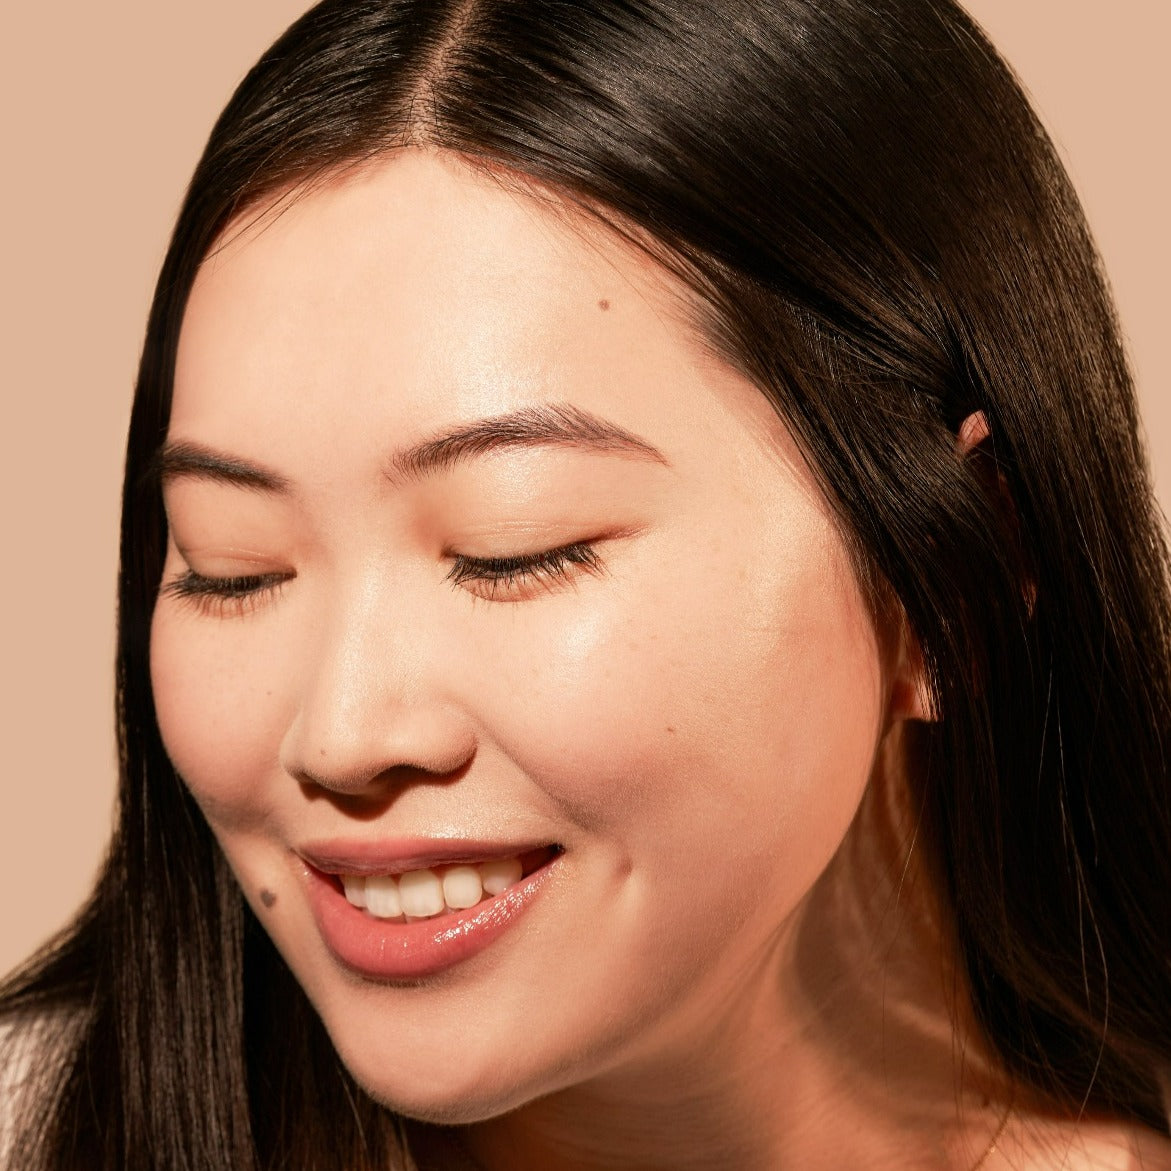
1153	1153
1087	1146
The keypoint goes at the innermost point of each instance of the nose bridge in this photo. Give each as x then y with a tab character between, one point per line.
369	698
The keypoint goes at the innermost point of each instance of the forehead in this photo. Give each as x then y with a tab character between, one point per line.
419	291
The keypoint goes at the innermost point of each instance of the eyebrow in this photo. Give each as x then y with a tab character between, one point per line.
555	424
192	460
547	424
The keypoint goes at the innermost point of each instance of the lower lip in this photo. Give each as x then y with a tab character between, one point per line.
382	950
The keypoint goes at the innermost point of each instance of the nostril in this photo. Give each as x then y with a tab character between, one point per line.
390	748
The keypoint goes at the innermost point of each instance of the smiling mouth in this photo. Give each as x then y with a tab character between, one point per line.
436	891
426	935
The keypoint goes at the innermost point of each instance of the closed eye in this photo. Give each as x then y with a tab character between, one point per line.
225	596
520	577
494	578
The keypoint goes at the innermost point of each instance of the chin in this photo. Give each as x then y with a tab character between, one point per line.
456	1096
447	1081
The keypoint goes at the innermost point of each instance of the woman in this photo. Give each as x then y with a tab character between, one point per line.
643	630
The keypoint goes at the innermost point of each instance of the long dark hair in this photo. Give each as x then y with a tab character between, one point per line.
884	242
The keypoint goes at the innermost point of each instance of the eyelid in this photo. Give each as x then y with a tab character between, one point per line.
211	551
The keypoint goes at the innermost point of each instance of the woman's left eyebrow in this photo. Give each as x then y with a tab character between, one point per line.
545	424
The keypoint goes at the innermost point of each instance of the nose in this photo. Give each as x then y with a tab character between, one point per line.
372	711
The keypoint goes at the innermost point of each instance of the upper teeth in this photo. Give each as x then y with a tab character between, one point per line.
419	894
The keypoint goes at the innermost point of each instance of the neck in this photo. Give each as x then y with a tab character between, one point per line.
849	1043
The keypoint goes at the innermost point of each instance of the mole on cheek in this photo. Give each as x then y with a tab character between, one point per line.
603	305
267	898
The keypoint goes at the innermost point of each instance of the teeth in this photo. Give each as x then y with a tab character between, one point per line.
499	874
462	887
355	886
382	897
422	894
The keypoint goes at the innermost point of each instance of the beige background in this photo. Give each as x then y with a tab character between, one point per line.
106	108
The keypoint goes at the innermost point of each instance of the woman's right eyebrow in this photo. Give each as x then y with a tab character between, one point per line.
184	459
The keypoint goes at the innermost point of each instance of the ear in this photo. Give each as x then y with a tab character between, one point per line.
973	431
910	694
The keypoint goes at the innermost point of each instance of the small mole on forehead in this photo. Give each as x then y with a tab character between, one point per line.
603	305
267	898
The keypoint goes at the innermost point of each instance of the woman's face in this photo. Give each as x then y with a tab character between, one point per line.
476	555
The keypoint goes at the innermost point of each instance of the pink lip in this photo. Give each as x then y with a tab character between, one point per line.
384	950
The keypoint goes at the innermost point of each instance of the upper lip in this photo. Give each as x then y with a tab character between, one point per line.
398	856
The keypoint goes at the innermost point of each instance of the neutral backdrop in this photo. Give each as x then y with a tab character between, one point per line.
105	110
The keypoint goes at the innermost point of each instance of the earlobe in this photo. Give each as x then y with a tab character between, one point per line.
910	692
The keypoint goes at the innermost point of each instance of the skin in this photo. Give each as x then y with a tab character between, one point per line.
738	962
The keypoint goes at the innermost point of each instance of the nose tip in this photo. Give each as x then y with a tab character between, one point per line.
432	741
375	700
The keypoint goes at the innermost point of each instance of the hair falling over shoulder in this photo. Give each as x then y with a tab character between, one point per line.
883	241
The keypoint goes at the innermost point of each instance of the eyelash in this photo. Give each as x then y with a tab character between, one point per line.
546	569
222	596
550	567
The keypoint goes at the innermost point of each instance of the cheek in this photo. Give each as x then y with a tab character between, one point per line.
220	712
732	711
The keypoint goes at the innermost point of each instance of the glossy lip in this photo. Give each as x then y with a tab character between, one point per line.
384	950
